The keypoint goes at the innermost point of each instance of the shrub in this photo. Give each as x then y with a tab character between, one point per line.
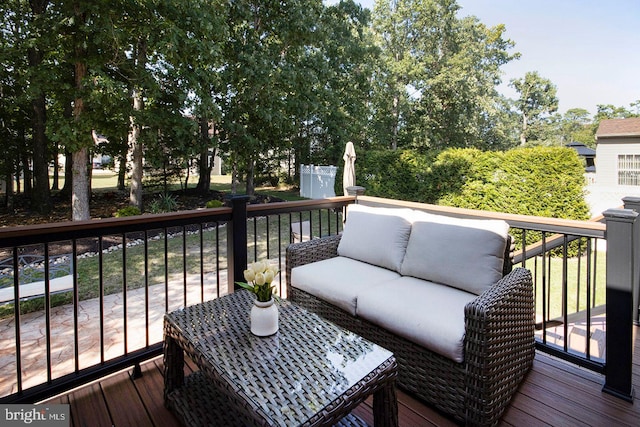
165	202
393	174
538	181
214	204
542	181
127	211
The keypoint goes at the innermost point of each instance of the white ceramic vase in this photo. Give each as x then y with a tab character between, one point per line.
264	318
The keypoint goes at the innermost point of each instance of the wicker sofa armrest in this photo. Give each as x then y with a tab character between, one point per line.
499	344
310	251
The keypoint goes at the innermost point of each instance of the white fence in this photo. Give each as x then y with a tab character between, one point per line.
317	182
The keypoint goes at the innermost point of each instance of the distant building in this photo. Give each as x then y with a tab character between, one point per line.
618	153
618	171
586	153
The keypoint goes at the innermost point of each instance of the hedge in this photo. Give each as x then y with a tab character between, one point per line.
541	181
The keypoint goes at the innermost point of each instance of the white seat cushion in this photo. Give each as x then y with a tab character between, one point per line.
376	236
429	314
339	280
463	253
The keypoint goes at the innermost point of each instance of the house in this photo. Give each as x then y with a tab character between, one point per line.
586	153
618	172
618	153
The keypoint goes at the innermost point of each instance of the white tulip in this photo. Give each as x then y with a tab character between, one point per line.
258	267
268	276
249	275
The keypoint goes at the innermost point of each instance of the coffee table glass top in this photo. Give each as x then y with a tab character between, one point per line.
289	376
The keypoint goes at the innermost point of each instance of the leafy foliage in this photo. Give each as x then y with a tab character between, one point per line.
128	211
540	181
268	85
165	202
437	76
537	99
398	174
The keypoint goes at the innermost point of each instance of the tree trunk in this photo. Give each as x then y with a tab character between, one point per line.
26	170
17	177
8	197
67	189
122	172
204	164
396	121
135	193
204	172
186	176
80	199
56	172
250	178
523	134
135	142
40	197
234	177
80	181
67	113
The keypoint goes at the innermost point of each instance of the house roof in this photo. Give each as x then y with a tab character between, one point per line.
619	127
582	149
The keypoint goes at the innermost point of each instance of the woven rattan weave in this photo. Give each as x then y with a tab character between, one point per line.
311	372
498	344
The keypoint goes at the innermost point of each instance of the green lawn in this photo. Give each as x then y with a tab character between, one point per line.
576	296
106	180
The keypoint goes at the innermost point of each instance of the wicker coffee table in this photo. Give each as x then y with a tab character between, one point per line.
311	372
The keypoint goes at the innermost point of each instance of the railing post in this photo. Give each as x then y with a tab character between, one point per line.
633	203
355	190
621	252
237	241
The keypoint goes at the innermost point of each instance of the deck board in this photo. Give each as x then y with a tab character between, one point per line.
125	404
88	406
151	388
553	393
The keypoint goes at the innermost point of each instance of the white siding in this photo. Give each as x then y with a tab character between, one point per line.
607	152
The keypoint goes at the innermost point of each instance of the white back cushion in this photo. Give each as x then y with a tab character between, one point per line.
464	253
377	236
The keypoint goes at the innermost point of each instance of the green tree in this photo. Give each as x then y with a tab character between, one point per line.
396	34
536	101
267	41
27	34
609	111
39	25
196	32
15	106
577	125
436	84
338	73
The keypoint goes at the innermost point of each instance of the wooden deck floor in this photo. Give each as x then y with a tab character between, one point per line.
554	393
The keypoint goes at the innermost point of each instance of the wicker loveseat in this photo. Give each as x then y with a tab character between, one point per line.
439	292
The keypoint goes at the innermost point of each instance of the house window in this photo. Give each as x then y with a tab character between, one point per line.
629	169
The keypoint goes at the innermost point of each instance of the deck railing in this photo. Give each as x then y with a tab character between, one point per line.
126	273
585	278
152	264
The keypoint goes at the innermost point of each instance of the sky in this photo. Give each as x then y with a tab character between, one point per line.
589	49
